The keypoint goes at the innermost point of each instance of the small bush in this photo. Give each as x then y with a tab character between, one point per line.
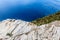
9	34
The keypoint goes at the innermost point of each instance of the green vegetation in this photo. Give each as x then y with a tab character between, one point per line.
47	19
9	34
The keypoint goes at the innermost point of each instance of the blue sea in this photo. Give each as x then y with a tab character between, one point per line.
28	11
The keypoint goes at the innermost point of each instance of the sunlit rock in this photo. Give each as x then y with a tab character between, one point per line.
12	29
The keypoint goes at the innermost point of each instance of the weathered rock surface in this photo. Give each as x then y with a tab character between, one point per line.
12	29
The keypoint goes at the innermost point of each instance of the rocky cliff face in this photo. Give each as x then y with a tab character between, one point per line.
12	29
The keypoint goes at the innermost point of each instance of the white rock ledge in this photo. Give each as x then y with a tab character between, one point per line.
12	29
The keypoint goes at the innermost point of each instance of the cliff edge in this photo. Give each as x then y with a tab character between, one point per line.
12	29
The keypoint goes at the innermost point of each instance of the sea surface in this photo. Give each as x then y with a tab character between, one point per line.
28	12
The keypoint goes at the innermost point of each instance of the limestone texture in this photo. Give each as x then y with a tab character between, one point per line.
12	29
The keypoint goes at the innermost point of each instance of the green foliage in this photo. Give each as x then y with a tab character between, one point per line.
9	34
47	19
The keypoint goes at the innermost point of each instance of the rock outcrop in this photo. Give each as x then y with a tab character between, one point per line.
12	29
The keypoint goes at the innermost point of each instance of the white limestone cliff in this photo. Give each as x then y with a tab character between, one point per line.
12	29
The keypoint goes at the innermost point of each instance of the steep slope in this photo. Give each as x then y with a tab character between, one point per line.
47	19
12	29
